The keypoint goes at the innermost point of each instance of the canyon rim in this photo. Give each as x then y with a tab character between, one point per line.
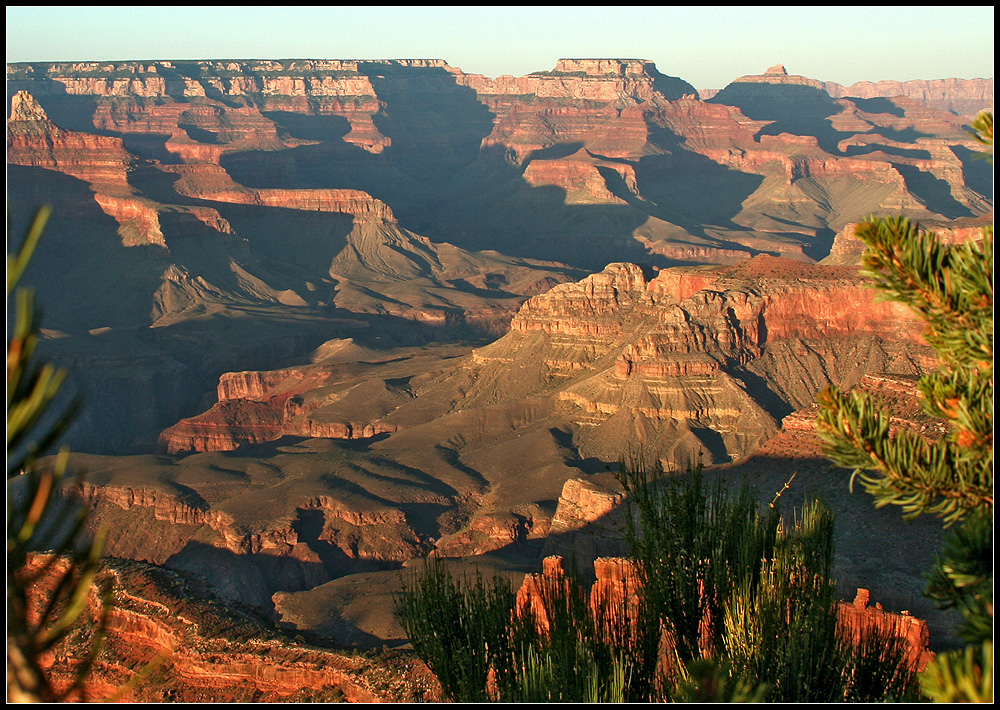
329	317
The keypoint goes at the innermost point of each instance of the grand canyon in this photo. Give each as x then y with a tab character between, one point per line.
329	317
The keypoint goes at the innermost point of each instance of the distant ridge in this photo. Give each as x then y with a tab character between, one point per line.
964	97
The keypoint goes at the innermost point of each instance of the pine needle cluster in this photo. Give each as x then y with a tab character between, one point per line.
39	517
950	288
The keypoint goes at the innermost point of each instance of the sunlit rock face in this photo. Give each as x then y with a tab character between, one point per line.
34	140
215	652
683	351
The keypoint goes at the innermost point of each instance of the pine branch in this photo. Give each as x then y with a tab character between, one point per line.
919	476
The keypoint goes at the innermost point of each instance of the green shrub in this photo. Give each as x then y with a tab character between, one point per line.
731	604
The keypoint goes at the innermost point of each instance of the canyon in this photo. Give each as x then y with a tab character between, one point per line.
329	317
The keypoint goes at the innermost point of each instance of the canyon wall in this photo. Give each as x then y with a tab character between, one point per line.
689	352
610	132
222	229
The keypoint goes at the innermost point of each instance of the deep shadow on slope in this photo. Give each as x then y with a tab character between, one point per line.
437	179
693	191
253	578
934	192
81	271
978	171
799	110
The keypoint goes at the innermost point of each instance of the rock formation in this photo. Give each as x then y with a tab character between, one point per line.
200	649
32	139
617	581
680	353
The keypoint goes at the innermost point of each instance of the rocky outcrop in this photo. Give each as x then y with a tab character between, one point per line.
165	507
32	139
671	351
859	618
779	75
965	97
314	402
204	650
140	219
675	352
352	202
484	533
618	585
580	503
584	179
305	539
602	80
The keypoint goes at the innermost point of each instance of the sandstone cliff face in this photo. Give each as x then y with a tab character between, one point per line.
32	139
140	219
333	401
671	352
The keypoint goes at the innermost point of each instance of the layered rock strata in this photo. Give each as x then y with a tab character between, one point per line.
34	140
679	353
610	132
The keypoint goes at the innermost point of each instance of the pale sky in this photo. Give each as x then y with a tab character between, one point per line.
706	46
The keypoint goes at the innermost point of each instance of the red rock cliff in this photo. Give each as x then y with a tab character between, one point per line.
671	350
32	139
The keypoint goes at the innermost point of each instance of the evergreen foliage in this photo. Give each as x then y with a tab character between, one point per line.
35	422
731	604
763	604
459	628
950	287
482	648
